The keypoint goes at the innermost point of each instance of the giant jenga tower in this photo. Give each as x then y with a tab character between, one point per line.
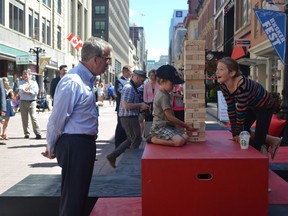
194	88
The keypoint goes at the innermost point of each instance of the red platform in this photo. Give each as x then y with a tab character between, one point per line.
214	177
117	207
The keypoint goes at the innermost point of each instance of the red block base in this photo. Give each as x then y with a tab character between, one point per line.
279	189
214	177
117	207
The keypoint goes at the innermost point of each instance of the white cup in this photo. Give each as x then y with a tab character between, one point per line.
244	139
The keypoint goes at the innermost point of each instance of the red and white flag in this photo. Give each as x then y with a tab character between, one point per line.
75	41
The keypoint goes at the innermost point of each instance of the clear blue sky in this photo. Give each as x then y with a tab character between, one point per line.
155	16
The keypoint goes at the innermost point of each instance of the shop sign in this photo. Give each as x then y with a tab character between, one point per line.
23	60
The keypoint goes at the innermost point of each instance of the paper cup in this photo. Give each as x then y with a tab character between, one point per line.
244	139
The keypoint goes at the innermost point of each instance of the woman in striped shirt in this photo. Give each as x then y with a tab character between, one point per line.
247	101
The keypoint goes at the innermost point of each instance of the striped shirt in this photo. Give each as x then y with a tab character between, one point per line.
249	95
130	94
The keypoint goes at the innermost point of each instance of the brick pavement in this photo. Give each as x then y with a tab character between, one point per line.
21	157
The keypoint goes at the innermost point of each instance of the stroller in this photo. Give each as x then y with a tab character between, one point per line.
41	104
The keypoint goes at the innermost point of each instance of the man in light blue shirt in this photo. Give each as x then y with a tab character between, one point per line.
73	125
28	91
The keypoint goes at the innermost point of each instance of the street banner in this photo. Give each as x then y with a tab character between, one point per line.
43	62
274	25
75	41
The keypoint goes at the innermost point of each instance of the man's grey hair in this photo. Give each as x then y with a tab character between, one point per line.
94	46
28	70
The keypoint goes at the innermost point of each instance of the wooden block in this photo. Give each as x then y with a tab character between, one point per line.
193	91
199	116
197	130
196	139
194	67
196	110
196	124
188	105
196	133
194	84
194	52
194	42
194	62
192	72
189	96
193	57
194	77
194	100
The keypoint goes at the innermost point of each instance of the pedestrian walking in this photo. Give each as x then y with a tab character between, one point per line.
120	134
129	110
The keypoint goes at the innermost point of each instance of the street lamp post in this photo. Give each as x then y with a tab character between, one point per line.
37	51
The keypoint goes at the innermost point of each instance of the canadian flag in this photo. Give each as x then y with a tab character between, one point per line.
75	41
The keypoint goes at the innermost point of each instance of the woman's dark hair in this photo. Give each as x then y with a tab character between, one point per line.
152	71
232	65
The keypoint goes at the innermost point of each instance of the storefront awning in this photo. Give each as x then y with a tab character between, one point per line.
251	62
238	52
11	52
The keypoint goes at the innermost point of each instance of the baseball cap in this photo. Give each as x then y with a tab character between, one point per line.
170	73
140	73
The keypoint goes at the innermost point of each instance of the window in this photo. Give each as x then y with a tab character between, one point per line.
48	32
36	26
256	24
1	11
16	17
59	9
47	2
99	9
219	28
244	13
118	67
178	13
43	29
100	25
59	37
30	23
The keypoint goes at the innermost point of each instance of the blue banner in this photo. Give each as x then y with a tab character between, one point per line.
274	25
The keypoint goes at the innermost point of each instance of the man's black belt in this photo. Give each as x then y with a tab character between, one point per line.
87	136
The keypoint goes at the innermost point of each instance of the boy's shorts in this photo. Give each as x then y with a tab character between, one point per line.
165	132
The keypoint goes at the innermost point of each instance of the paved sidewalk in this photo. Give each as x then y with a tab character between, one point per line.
21	157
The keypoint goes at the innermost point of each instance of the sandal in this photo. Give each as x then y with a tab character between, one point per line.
4	137
275	148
